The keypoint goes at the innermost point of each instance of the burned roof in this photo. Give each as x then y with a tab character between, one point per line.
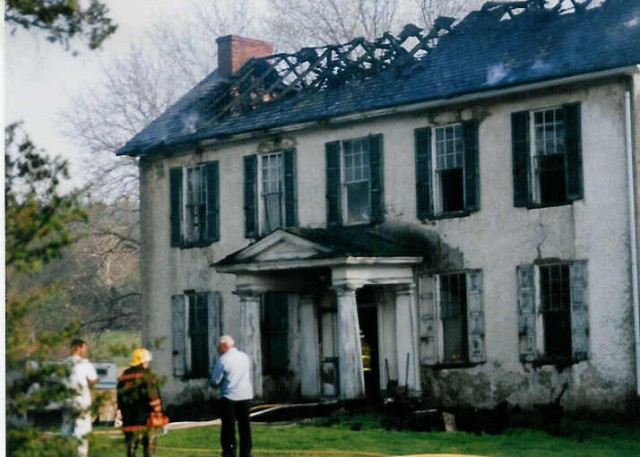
505	44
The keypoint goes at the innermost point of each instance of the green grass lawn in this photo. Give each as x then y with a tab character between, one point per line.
316	438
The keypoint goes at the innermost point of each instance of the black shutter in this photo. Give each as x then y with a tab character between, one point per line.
471	166
333	195
251	196
520	144
423	172
573	154
377	178
290	198
175	199
213	201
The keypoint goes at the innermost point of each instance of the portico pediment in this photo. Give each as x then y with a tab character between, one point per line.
280	246
295	248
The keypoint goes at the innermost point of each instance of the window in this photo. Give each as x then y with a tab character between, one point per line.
194	197
275	333
195	333
547	158
269	192
453	311
452	318
354	181
447	170
553	312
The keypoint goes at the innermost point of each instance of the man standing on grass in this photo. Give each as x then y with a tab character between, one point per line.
76	417
232	374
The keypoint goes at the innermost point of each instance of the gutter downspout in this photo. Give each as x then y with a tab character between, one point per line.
632	232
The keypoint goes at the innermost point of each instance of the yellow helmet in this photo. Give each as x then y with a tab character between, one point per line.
140	355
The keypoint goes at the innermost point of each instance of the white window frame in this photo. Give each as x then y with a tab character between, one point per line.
533	151
540	318
439	316
193	230
451	157
277	156
356	173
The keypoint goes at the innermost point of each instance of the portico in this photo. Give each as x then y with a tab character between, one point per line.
322	273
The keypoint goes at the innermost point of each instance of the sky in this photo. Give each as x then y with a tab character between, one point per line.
40	78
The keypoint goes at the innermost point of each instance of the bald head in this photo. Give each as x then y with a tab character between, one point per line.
225	343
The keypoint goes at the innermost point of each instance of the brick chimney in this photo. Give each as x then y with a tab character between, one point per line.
234	51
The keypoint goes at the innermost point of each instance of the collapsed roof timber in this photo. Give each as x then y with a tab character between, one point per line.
263	80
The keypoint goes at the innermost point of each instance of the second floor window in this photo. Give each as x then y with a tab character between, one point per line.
269	192
447	174
354	181
547	157
194	204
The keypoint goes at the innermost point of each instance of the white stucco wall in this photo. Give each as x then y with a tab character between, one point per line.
496	239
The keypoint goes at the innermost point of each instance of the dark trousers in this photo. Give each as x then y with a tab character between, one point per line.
148	439
230	413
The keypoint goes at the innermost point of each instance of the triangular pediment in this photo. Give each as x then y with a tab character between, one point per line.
280	246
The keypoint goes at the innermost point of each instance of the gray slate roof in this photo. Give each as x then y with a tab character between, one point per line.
483	52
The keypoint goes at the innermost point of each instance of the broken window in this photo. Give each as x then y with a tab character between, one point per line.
553	312
275	333
451	318
354	181
547	163
447	170
194	196
196	329
272	177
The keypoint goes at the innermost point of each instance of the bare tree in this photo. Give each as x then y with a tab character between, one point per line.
140	85
429	10
294	24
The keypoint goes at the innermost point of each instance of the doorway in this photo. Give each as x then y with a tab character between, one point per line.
368	320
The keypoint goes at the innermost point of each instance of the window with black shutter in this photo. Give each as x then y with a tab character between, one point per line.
270	192
355	181
547	156
194	205
447	170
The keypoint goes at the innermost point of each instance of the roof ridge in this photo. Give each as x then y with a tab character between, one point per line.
267	79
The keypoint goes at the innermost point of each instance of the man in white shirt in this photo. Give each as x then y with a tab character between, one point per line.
76	420
232	374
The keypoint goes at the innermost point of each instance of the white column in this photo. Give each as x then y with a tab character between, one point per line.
349	347
309	367
249	338
407	337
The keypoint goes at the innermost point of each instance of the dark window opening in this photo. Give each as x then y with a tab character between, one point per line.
555	297
452	190
552	179
453	302
275	333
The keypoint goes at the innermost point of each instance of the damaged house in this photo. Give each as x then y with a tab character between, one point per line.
453	210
